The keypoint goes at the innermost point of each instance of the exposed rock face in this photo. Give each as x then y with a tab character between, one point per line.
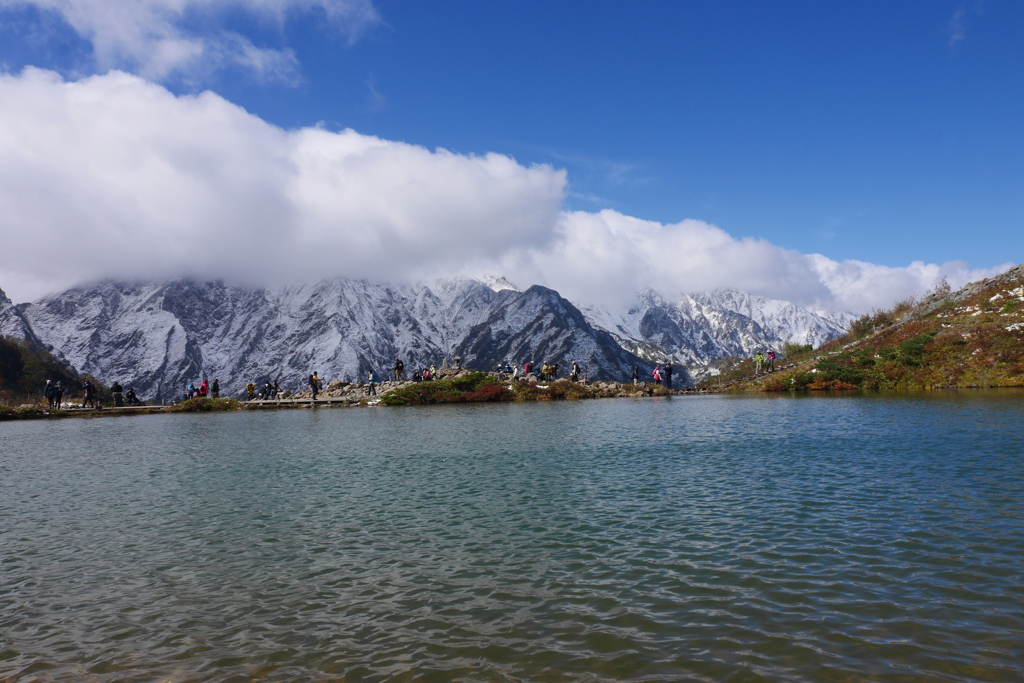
539	325
699	328
159	337
12	323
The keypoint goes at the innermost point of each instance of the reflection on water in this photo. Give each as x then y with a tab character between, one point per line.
705	539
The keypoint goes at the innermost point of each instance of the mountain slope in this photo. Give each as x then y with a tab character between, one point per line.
540	325
699	328
971	338
159	337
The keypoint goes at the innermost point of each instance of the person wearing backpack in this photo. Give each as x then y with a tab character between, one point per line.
216	388
116	390
250	390
667	372
371	383
90	394
314	384
656	374
758	363
771	360
636	375
48	391
399	369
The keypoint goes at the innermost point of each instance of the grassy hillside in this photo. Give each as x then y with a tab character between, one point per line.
970	338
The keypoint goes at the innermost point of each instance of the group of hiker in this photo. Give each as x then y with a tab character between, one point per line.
204	390
547	372
54	393
764	362
661	374
122	397
267	391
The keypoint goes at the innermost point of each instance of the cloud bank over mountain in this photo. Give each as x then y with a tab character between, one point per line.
114	175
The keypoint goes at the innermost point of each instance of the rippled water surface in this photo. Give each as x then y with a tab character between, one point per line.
706	539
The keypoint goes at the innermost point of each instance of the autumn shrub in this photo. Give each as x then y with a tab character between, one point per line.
487	393
205	405
472	387
564	389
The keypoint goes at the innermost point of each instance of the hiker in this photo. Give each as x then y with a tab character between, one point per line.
667	372
554	371
771	360
574	372
204	389
527	367
399	369
276	389
216	388
250	389
265	394
90	394
371	384
48	392
130	397
656	374
758	363
314	384
636	374
433	370
427	376
116	390
516	374
190	390
58	393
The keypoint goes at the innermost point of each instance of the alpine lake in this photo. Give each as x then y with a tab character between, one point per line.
859	537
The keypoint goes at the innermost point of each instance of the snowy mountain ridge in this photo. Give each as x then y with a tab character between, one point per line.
159	336
698	328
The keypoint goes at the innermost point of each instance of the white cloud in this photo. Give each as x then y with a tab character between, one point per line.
608	256
114	176
160	39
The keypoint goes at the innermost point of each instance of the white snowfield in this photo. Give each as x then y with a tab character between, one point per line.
158	337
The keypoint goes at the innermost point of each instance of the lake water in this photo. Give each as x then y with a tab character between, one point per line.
709	538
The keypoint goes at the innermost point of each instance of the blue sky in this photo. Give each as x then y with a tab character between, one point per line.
873	131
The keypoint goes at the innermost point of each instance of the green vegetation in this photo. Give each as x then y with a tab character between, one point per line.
24	369
791	350
967	342
471	388
205	405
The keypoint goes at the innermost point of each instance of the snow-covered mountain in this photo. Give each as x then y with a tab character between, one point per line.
696	329
12	323
159	337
